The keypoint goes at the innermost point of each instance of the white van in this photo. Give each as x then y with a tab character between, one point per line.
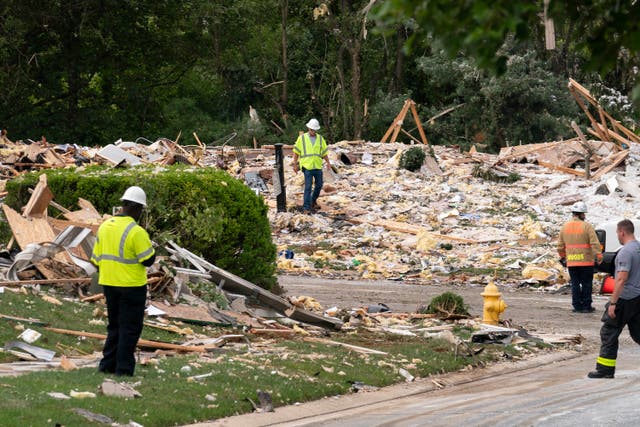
608	238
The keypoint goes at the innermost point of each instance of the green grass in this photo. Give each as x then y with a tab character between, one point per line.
72	314
290	370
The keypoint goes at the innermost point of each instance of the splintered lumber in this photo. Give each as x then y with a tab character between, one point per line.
141	343
70	280
37	205
24	320
600	128
92	298
356	348
33	230
189	314
405	315
615	160
87	213
396	126
407	228
524	150
561	168
232	283
264	331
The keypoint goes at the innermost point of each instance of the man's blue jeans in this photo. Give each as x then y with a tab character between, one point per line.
310	197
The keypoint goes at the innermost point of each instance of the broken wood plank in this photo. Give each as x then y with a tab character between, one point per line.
355	348
241	286
33	230
561	168
524	150
407	228
272	331
37	205
87	213
141	342
405	315
67	281
190	314
615	160
92	298
24	320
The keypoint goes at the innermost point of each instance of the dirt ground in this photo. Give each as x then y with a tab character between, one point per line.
529	308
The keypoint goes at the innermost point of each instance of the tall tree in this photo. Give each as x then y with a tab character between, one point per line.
609	29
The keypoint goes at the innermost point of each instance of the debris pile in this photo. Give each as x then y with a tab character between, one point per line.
460	217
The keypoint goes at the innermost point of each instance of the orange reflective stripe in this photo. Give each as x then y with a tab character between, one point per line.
579	245
580	263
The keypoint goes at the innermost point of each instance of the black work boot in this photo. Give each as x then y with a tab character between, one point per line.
600	374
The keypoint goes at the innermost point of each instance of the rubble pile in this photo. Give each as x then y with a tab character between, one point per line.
378	221
461	217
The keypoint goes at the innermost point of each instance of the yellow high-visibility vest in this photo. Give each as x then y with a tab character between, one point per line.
121	246
310	155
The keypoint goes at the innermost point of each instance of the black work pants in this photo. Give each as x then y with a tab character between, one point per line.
627	313
125	306
581	287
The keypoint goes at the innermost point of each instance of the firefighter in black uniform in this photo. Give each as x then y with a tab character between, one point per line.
624	307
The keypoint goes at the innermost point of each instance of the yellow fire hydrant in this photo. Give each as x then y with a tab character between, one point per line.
493	304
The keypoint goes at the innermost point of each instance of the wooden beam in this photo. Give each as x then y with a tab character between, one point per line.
418	123
397	123
36	207
141	342
411	136
615	159
616	124
539	147
70	280
356	348
407	228
561	168
588	113
603	121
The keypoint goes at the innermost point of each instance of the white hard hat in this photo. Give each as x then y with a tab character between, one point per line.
135	194
579	207
313	124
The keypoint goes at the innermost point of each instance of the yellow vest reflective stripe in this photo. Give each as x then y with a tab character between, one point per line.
121	246
310	155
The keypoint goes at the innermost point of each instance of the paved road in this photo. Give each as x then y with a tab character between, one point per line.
551	390
553	393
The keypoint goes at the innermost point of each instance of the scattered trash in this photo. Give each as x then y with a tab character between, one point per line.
57	395
112	388
29	335
32	352
358	386
93	417
407	376
265	403
82	394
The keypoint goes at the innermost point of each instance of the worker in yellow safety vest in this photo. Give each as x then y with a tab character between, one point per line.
122	252
579	250
308	152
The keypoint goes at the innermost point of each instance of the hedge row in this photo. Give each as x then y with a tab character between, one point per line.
201	209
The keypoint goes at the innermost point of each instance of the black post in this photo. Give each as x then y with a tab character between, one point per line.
278	180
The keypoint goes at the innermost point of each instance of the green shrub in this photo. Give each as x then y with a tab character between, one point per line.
201	209
488	174
412	159
447	304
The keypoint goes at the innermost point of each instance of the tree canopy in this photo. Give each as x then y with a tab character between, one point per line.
92	71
